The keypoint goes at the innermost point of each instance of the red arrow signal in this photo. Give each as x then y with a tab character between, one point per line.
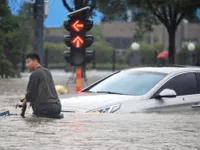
77	25
78	41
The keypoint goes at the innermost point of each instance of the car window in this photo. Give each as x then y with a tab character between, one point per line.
184	84
129	83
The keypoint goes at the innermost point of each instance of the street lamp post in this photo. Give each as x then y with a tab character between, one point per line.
46	6
136	53
183	32
191	47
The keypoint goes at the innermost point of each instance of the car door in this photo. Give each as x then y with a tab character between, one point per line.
186	87
196	105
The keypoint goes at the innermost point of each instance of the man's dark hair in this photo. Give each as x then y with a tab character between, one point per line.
33	56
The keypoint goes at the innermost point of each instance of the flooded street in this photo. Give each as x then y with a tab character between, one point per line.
92	131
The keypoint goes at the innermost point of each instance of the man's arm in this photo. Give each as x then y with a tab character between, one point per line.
22	102
32	89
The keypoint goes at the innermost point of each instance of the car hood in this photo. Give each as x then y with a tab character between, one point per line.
90	101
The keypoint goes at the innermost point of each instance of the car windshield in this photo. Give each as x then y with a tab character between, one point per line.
128	83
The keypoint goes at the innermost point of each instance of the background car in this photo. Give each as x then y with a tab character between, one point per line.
148	89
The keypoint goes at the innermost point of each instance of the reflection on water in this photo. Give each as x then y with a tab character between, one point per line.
95	132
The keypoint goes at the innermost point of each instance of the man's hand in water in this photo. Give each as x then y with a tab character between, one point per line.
21	103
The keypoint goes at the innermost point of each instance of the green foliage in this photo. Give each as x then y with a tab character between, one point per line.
4	9
25	30
56	65
14	33
55	52
5	68
108	66
112	9
54	46
147	53
182	56
97	33
103	52
158	47
170	13
103	49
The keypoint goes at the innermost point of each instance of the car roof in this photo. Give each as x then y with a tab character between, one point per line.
166	70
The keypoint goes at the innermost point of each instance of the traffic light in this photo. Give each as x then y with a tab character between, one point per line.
90	55
78	41
89	38
67	56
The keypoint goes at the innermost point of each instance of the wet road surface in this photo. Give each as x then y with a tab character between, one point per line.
92	131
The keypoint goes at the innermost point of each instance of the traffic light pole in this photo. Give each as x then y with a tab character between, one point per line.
78	25
78	78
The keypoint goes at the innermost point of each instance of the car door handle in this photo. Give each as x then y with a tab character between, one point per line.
196	105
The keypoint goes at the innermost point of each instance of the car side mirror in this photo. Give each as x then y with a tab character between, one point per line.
166	93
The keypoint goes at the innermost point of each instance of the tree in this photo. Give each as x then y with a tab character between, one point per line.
25	21
26	31
14	33
170	13
6	27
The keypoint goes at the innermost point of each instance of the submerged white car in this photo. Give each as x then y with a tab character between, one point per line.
148	89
